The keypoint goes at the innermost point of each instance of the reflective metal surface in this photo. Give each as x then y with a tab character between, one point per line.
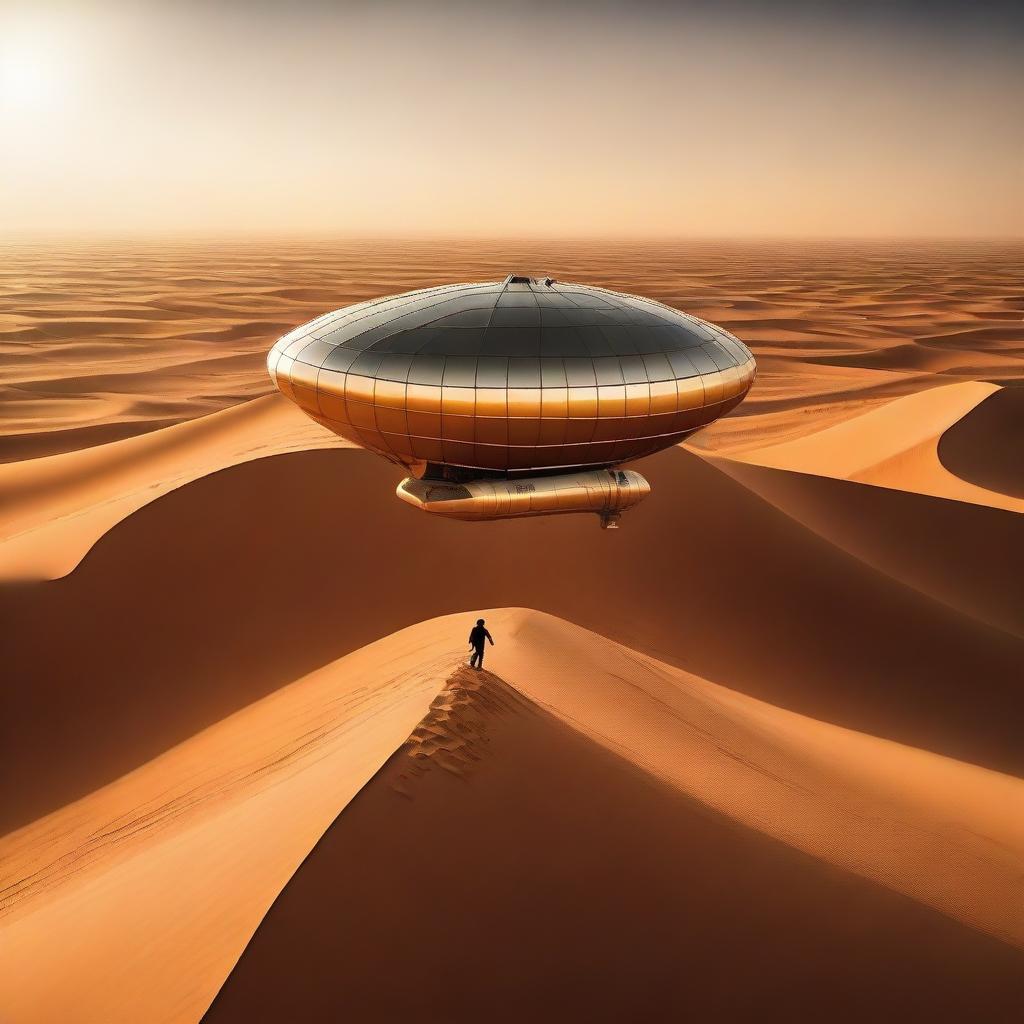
512	377
605	492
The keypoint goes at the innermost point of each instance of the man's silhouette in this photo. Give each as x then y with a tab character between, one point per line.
477	635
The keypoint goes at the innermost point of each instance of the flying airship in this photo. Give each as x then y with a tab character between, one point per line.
513	398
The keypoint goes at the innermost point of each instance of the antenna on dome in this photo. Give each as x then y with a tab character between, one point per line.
520	279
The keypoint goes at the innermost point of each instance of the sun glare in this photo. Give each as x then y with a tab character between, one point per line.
29	76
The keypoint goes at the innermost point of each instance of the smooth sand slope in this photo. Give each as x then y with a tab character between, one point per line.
53	509
956	443
604	832
898	445
965	555
103	342
595	835
223	590
984	446
601	831
133	903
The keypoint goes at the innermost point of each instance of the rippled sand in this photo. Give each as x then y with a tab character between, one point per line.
98	343
760	747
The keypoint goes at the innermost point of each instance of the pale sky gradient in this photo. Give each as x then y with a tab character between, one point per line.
458	119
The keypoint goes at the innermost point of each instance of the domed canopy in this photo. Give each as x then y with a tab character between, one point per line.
519	318
527	373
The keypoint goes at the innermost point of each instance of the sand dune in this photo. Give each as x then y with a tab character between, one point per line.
1004	336
217	642
961	554
793	398
858	446
86	317
966	362
952	443
983	447
523	814
897	446
140	897
313	551
54	509
593	767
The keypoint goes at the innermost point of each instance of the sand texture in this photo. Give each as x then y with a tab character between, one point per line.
636	836
756	755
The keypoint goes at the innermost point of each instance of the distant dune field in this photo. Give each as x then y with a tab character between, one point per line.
761	747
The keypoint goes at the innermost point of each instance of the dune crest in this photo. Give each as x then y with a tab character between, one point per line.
237	727
984	447
895	446
558	828
767	608
952	551
914	821
169	869
54	509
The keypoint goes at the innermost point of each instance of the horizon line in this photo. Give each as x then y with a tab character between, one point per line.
228	237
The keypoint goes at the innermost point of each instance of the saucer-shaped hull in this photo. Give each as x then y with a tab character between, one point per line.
607	493
512	377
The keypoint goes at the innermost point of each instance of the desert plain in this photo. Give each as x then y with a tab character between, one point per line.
757	755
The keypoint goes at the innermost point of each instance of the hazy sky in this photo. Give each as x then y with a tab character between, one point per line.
459	119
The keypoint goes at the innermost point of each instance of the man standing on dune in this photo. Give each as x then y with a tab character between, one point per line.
477	635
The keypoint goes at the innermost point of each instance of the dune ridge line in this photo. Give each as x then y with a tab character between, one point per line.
944	833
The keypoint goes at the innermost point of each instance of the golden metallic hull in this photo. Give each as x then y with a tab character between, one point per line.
512	379
558	375
606	493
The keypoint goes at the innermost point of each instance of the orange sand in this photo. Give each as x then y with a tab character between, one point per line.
758	748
